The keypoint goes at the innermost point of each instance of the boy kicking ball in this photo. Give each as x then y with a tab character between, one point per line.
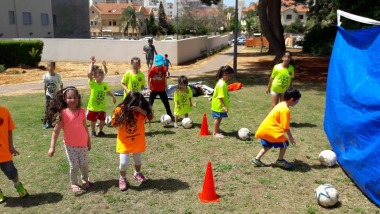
273	128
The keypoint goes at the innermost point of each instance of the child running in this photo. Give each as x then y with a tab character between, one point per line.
273	128
167	63
220	103
52	83
97	102
129	119
182	99
133	80
70	117
7	150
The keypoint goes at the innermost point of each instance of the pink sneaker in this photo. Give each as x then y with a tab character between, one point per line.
139	177
123	184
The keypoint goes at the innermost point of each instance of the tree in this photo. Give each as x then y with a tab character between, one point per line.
296	27
151	25
162	21
128	19
210	2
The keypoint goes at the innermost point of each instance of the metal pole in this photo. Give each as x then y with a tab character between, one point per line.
177	19
235	37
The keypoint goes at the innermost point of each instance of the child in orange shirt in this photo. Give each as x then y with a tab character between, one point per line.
7	150
129	119
273	128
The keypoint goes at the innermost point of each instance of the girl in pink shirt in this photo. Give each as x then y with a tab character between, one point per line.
69	116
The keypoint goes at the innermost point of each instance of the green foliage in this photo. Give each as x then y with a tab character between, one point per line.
296	27
2	68
128	18
151	25
320	40
17	52
162	21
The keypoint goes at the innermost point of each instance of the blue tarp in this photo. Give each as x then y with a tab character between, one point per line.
352	115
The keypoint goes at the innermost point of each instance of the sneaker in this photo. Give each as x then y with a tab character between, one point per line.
21	190
93	134
283	164
175	125
1	196
139	177
257	162
218	135
101	134
123	184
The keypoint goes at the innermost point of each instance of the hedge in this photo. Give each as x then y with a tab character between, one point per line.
20	52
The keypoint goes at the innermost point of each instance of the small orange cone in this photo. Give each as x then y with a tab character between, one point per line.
204	126
208	193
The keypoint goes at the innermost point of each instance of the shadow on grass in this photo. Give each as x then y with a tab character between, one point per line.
108	136
152	133
302	125
300	166
166	185
33	200
100	187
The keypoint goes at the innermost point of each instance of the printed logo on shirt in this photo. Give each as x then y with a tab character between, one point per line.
135	86
131	129
100	97
183	99
51	87
284	81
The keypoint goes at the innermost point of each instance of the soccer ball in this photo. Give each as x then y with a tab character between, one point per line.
244	133
327	158
326	195
187	123
108	121
165	120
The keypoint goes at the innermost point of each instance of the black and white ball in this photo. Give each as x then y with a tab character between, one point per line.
326	195
108	121
327	158
187	123
165	120
244	133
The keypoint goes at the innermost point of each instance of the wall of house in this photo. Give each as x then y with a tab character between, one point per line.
80	50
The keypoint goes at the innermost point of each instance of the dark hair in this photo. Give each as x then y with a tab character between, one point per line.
150	40
225	69
290	93
58	103
51	64
165	55
291	62
135	58
126	116
182	81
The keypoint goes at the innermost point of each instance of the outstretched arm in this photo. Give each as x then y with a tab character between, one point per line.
113	96
90	73
290	136
11	147
54	137
105	67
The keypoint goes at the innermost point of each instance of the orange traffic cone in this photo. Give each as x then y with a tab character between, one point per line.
208	193
204	126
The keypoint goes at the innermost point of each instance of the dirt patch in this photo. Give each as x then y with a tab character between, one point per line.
308	68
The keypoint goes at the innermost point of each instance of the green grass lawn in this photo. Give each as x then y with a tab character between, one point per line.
175	163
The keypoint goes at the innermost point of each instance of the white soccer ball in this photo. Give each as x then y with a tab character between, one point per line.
187	123
244	133
108	121
327	158
165	120
326	195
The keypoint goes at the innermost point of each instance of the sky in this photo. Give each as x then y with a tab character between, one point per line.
231	3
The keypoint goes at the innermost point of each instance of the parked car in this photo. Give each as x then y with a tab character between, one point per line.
241	41
147	38
170	38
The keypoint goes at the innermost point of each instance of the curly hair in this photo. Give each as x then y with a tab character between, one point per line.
126	115
58	103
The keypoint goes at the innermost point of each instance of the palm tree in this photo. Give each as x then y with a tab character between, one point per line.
129	19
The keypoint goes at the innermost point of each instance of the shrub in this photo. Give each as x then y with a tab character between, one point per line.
320	40
18	52
2	68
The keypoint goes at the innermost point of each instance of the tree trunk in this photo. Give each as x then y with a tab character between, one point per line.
270	20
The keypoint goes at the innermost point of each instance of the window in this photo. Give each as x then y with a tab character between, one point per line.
12	18
300	17
289	16
95	23
44	19
91	23
27	18
109	23
114	23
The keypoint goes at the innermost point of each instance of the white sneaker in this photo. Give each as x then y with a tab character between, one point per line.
175	125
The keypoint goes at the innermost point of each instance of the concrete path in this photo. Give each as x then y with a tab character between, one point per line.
214	64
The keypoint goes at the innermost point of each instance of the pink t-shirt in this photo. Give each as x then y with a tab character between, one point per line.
74	132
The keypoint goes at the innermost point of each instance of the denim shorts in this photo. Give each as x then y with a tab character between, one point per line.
219	114
274	145
9	169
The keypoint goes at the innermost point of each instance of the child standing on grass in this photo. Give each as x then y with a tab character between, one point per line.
97	102
167	63
182	99
220	103
280	79
158	84
129	119
70	117
133	80
52	83
7	150
272	130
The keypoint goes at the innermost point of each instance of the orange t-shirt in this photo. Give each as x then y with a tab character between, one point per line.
275	125
6	124
131	139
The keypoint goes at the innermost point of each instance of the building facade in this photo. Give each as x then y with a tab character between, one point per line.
20	19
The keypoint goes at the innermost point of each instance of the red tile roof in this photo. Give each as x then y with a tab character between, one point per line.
108	9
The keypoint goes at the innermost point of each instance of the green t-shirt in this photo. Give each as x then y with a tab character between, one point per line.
134	82
281	78
220	91
182	101
97	101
